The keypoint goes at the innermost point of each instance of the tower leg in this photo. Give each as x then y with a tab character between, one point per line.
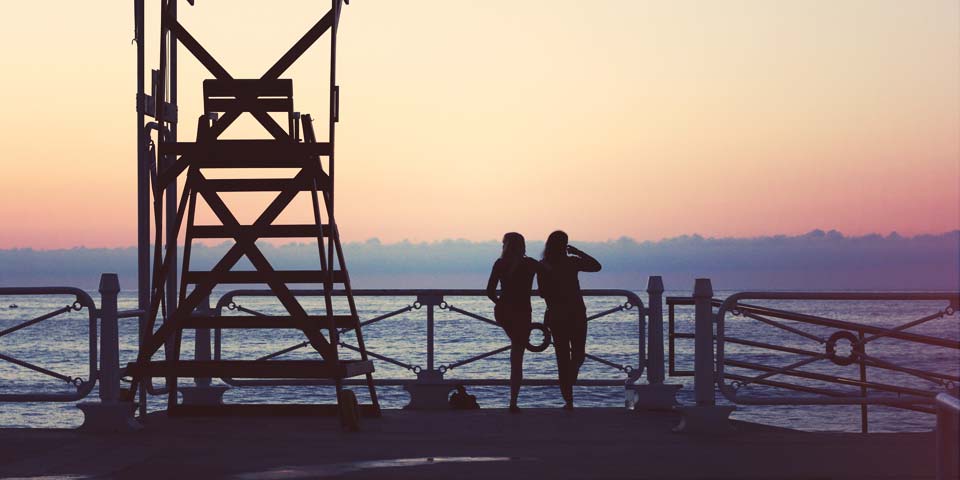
373	394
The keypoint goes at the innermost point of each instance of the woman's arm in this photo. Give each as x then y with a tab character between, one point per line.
492	283
585	262
542	271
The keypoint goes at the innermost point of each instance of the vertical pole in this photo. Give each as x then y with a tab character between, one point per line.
143	194
864	426
430	337
655	335
671	353
703	346
109	342
171	200
202	342
334	101
171	346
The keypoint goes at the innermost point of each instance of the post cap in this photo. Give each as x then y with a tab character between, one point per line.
702	288
655	284
109	283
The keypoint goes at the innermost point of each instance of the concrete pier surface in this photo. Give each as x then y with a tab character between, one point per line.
480	444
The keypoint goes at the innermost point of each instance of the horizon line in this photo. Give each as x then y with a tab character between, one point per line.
817	232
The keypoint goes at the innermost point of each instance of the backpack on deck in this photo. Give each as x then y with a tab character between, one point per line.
461	400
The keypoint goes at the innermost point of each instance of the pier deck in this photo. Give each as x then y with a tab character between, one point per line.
538	443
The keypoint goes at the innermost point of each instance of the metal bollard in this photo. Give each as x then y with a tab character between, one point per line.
706	416
202	342
109	414
653	395
203	392
430	391
109	339
655	371
703	344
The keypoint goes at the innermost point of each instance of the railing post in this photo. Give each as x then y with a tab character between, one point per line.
430	330
109	339
430	391
703	343
655	395
705	416
203	392
109	414
655	335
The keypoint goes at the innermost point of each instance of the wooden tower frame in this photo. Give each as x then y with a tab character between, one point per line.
175	302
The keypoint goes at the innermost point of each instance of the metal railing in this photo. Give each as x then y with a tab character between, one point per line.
673	335
433	300
81	301
845	346
108	372
846	335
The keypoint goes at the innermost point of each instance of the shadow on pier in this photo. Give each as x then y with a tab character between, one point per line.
539	443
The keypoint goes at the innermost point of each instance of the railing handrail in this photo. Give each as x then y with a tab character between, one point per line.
81	294
405	292
83	300
633	301
731	303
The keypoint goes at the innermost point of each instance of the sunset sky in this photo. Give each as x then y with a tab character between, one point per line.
466	119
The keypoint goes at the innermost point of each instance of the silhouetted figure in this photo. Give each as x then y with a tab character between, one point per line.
566	313
514	271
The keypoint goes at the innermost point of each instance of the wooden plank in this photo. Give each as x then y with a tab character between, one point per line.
300	47
271	321
246	149
262	184
255	368
253	276
248	104
201	54
239	87
267	410
270	125
268	231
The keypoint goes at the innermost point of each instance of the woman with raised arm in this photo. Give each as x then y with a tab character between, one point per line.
514	271
566	314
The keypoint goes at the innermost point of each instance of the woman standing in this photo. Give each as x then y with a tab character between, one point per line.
514	271
566	314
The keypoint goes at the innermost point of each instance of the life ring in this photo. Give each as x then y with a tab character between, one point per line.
856	348
546	338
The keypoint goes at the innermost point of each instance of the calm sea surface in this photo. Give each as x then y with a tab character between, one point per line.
61	345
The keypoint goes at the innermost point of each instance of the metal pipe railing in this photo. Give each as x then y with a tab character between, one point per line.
434	298
903	396
711	363
83	387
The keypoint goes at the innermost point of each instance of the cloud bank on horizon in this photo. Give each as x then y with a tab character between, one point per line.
818	260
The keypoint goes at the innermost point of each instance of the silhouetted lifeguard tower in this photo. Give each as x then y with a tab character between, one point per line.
176	302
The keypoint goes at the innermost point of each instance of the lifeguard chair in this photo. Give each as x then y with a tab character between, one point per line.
226	99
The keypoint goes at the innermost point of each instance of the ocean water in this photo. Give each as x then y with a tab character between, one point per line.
61	344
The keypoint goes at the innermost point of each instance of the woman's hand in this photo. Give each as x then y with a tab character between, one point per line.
574	250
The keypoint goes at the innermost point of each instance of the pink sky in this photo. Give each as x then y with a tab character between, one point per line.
467	119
